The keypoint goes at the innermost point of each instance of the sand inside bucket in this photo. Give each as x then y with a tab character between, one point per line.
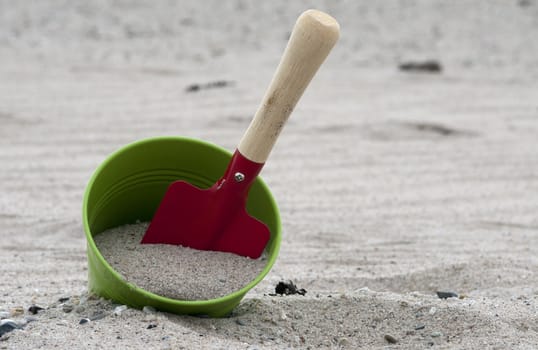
173	271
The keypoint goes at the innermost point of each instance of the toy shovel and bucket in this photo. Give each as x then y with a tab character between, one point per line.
197	194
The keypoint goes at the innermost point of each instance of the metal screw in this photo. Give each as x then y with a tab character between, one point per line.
239	177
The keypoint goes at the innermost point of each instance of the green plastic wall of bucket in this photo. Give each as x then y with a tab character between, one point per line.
129	185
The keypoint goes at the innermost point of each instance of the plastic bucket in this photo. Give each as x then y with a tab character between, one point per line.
129	185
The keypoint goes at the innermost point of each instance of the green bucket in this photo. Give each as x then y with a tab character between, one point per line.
129	185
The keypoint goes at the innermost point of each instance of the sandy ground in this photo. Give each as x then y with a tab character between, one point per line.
391	185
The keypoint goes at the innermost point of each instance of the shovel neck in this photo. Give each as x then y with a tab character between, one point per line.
240	175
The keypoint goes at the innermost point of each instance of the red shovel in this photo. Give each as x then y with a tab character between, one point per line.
216	218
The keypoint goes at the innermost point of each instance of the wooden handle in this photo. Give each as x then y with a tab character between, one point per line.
313	37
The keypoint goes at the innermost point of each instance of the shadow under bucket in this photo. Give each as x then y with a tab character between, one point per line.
129	185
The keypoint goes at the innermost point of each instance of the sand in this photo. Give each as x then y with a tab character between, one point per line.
391	184
174	271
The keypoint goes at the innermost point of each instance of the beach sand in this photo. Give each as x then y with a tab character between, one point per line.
172	271
392	184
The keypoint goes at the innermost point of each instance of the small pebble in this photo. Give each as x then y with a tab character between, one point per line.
432	311
98	316
419	327
17	311
80	309
436	334
84	321
283	316
192	88
149	309
63	300
210	85
83	300
428	66
288	288
93	297
240	322
67	308
446	295
34	309
343	342
150	318
151	325
118	310
389	338
7	326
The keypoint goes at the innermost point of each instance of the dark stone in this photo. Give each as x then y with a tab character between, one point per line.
418	327
192	88
446	295
151	325
428	66
435	129
7	326
34	309
389	338
64	299
211	85
288	288
84	321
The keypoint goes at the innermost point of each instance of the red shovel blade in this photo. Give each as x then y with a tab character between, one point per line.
214	218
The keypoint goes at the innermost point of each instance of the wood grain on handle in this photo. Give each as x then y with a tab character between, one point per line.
312	38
